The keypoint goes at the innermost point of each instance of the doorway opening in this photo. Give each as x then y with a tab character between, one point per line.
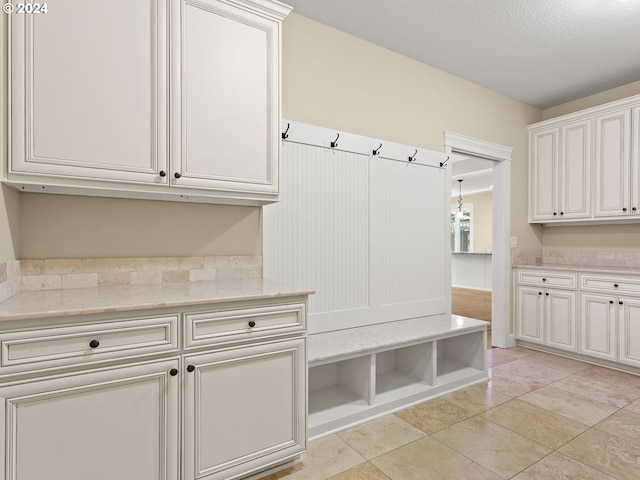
497	160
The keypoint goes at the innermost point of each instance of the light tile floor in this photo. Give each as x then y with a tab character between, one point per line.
539	417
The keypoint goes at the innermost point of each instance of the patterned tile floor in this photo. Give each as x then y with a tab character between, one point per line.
539	417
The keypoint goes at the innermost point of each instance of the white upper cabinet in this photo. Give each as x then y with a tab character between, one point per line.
89	99
560	170
543	174
613	157
635	161
229	118
158	99
594	150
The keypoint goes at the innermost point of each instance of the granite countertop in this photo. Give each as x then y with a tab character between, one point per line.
471	253
328	345
581	268
82	301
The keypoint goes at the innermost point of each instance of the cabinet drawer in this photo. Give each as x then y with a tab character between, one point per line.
67	345
225	326
610	284
547	279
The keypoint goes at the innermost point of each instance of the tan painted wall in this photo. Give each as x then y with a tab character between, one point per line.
602	237
483	220
65	226
338	81
329	79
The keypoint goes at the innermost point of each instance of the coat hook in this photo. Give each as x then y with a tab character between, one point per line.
413	157
285	135
442	164
377	150
334	144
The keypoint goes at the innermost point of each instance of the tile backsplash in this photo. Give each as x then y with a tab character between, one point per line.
592	258
9	279
577	258
54	274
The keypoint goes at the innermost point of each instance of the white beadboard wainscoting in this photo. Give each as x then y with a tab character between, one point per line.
368	232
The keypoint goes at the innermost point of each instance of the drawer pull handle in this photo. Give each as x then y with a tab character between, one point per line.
615	285
544	279
94	343
252	324
173	372
191	368
611	302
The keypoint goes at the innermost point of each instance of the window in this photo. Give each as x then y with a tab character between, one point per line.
462	228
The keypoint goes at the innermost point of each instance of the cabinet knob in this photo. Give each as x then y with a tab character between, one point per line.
162	173
633	209
173	372
554	214
615	285
561	213
624	209
177	174
191	368
547	294
544	279
611	302
620	303
539	293
94	343
252	324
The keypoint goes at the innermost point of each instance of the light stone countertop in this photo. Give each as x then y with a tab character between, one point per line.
83	301
353	341
581	268
471	253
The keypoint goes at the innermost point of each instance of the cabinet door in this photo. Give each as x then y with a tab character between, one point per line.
575	171
543	174
226	127
529	321
630	331
635	162
560	319
244	409
89	91
104	425
612	162
598	335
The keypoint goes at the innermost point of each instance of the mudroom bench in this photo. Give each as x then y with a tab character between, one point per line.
364	372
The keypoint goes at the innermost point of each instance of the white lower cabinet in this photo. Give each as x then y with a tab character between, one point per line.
597	315
530	314
244	409
104	424
560	319
109	398
546	316
598	326
629	347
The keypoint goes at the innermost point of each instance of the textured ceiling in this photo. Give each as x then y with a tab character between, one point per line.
542	52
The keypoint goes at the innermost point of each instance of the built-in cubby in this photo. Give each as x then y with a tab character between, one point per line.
460	357
360	373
